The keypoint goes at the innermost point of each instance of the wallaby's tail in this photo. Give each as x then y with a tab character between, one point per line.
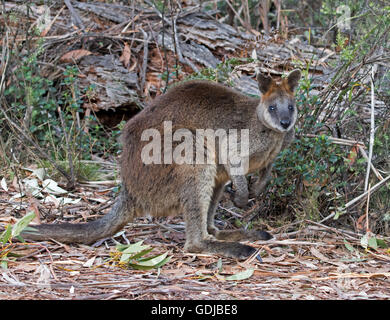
120	214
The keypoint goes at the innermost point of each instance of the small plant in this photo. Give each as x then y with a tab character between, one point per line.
10	232
133	256
221	73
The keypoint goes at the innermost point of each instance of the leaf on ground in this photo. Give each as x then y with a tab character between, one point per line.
17	196
32	187
3	184
6	235
125	57
52	187
74	55
241	275
22	224
349	246
132	248
153	262
372	243
39	173
89	262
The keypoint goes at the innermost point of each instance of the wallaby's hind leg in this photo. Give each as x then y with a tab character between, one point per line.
217	193
198	240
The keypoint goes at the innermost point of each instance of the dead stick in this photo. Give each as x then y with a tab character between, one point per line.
372	131
145	59
367	206
70	157
237	15
365	156
75	15
374	188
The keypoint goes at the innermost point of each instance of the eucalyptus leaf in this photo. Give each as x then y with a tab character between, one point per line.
153	261
349	246
241	275
140	254
6	235
39	173
3	184
148	267
364	241
52	187
219	265
22	224
132	248
372	243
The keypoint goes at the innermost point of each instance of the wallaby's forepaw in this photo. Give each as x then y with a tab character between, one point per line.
240	201
256	186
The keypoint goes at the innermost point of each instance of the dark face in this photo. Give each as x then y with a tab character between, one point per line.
278	112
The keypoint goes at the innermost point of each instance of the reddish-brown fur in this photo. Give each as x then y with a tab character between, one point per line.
191	189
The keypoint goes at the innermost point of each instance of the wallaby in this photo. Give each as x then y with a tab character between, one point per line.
191	188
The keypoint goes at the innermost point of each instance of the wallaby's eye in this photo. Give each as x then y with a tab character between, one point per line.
272	108
290	107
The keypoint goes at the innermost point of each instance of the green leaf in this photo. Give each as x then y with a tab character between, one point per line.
154	262
131	248
22	224
364	241
241	275
372	243
219	265
6	235
140	254
349	246
129	256
4	264
382	244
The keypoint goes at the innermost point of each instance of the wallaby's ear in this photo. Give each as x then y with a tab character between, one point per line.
293	79
264	81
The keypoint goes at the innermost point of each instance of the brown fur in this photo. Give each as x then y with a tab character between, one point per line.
192	190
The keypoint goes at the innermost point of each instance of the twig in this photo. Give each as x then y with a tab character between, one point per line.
76	18
145	60
230	211
263	11
70	157
380	183
367	206
372	131
238	16
336	230
376	172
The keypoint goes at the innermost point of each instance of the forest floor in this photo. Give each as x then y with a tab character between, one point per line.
315	262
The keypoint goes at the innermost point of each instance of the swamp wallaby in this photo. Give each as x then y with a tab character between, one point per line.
159	181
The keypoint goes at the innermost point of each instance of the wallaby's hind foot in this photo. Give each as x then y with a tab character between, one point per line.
240	235
227	249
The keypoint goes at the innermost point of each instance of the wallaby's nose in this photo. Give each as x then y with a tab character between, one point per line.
285	123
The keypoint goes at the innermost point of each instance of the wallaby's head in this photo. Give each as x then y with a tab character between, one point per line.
277	110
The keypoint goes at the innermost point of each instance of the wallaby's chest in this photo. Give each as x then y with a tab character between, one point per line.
264	147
